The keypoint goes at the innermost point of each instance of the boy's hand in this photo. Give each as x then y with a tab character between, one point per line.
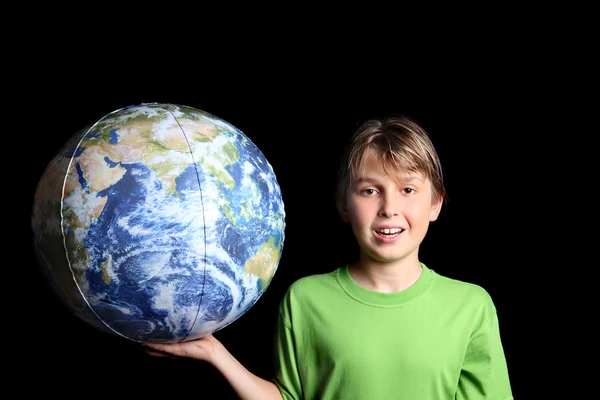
200	349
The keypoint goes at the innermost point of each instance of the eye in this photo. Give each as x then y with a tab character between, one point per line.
408	190
368	191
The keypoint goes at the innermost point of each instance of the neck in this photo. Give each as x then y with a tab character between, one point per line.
385	277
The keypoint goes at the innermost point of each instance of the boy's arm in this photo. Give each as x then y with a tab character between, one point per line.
246	385
484	373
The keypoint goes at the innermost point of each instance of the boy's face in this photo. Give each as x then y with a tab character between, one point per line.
389	214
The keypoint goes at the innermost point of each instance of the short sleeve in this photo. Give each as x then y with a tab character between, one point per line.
287	376
484	373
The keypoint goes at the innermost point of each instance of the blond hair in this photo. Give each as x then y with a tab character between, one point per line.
401	143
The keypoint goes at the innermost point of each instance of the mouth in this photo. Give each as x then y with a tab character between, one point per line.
389	232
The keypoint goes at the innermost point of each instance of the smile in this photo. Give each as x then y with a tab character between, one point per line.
390	232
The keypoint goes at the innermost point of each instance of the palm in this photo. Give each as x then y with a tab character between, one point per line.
200	348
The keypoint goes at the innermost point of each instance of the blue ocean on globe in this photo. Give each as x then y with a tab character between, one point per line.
159	223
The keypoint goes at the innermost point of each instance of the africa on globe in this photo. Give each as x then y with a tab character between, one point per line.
159	223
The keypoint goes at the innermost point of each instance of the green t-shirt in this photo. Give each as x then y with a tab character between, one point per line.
439	339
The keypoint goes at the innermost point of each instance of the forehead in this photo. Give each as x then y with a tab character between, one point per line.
399	178
373	166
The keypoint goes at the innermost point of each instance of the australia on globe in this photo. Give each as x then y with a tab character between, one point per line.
159	223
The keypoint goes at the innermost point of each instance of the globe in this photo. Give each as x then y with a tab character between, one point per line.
158	223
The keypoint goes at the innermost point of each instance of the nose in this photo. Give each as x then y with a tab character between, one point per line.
388	207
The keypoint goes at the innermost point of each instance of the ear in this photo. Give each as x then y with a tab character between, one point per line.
436	207
343	211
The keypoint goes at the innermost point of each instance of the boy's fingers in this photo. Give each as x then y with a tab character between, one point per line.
156	353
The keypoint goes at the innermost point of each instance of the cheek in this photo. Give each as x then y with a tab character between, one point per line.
356	215
417	213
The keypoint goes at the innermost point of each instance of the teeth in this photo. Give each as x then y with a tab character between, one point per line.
394	231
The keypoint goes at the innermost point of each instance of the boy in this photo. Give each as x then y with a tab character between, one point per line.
385	326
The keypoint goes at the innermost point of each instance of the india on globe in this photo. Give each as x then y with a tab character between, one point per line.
159	223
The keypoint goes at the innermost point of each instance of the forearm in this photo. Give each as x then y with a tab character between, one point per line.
247	385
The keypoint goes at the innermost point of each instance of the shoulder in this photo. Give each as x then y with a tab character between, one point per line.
310	289
470	304
311	283
464	293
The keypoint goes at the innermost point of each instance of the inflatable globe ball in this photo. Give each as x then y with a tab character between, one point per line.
159	223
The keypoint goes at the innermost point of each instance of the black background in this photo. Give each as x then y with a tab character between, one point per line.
300	117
